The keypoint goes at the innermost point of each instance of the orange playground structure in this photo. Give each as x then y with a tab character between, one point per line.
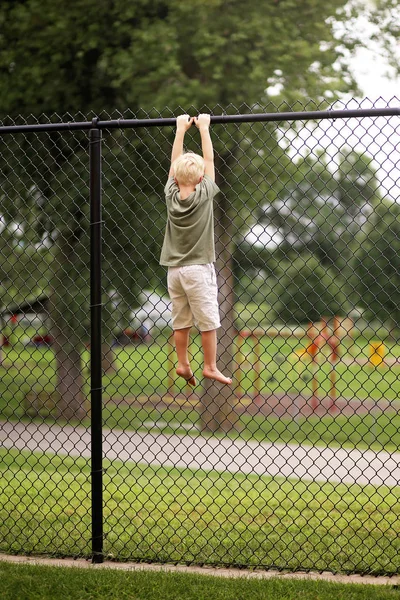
325	339
320	335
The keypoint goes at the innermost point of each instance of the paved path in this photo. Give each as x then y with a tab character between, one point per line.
310	463
286	405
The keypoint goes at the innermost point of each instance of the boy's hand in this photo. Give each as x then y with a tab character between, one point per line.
203	121
183	122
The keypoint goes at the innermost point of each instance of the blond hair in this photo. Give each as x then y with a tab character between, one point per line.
188	168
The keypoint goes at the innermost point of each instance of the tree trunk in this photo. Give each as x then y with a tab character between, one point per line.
110	324
69	385
64	328
108	358
218	401
71	404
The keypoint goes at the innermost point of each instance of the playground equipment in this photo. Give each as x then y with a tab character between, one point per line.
324	335
324	341
377	352
242	361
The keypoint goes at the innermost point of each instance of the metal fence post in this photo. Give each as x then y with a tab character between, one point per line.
95	342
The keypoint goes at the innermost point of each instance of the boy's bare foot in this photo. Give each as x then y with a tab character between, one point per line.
187	375
216	375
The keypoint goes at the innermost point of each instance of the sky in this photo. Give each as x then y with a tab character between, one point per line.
372	74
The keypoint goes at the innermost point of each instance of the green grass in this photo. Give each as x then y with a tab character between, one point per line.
143	369
178	515
28	368
381	432
36	582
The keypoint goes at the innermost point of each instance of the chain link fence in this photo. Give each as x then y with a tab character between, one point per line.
104	452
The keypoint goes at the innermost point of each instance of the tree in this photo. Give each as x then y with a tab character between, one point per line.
308	291
376	267
155	53
385	16
118	54
51	254
321	209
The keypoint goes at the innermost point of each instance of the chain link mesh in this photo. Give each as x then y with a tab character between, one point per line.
294	466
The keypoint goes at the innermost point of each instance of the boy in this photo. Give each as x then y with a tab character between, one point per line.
188	249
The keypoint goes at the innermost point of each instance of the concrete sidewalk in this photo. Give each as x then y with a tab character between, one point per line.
309	463
80	563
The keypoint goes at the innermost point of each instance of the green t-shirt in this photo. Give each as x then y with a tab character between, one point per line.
189	233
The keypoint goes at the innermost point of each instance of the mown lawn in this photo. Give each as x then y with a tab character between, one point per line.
36	582
184	516
143	371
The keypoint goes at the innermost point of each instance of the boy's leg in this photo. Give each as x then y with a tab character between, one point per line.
210	371
181	322
181	338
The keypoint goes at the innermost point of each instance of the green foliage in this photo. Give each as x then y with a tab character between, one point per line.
323	209
308	291
165	53
376	266
25	273
385	15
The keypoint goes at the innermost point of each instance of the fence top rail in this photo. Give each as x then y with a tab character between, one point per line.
215	119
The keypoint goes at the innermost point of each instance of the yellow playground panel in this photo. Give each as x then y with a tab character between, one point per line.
377	353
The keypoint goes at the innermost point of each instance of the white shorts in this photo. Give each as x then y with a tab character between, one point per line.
194	293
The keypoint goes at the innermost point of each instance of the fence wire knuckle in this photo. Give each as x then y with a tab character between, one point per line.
104	450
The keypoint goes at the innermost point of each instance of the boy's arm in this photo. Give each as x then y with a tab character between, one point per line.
203	124
183	122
